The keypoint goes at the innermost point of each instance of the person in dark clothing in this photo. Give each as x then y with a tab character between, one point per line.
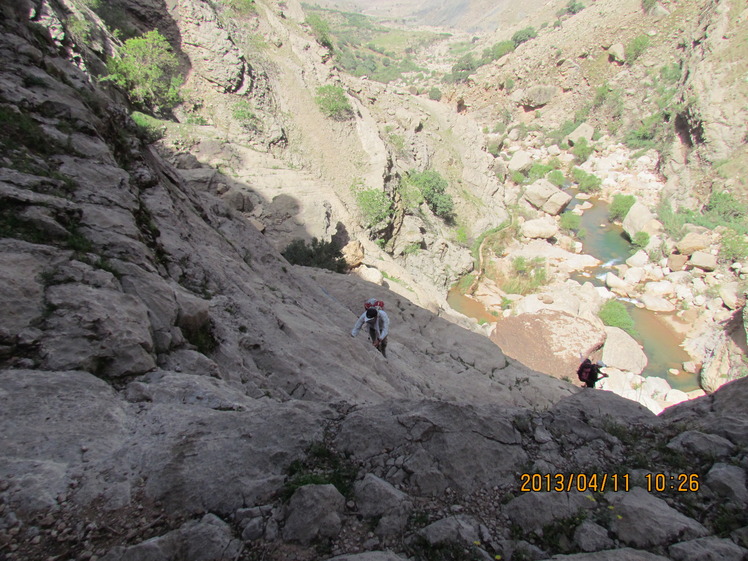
589	372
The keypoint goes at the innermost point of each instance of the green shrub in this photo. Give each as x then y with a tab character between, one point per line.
321	30
323	255
557	177
615	314
435	94
463	68
518	177
538	171
375	205
242	7
734	247
149	129
147	69
726	207
433	188
570	221
243	113
635	48
574	7
527	276
524	35
645	136
587	182
498	50
322	465
620	206
671	73
493	148
582	150
333	103
648	5
640	240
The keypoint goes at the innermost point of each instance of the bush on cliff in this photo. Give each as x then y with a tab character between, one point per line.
148	70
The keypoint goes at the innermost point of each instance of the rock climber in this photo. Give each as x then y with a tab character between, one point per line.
376	321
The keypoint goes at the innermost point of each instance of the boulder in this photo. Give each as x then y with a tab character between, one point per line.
207	539
728	481
592	537
693	242
584	130
375	498
545	196
542	228
538	96
353	253
623	352
617	53
313	513
548	341
703	260
656	303
533	511
676	262
729	292
645	521
521	161
460	529
701	444
640	219
638	259
711	548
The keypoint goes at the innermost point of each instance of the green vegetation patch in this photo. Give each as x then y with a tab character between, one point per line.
374	204
333	103
614	314
432	187
526	277
620	206
320	254
587	182
147	69
322	465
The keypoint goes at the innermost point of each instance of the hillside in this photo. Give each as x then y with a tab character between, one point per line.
173	388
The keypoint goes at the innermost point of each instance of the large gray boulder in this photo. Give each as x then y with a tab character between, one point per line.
703	260
534	511
538	96
545	196
375	498
542	228
645	521
314	512
548	341
623	352
640	219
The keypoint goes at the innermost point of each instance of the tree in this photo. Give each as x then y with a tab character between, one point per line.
148	70
432	186
320	254
524	35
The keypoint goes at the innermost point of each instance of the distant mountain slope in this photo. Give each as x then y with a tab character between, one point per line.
464	15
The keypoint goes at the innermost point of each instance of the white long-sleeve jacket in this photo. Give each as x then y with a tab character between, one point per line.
381	324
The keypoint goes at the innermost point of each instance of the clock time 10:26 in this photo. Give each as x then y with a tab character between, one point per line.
680	482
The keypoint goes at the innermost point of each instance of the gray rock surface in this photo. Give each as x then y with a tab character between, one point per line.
545	196
623	352
314	512
707	549
643	520
207	539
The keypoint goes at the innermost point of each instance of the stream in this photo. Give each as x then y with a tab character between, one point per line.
605	241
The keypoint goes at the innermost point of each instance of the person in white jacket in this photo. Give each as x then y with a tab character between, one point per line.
378	324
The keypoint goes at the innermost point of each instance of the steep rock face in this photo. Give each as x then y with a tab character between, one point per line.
161	361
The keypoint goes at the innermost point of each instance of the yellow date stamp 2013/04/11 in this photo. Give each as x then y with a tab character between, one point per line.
601	482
